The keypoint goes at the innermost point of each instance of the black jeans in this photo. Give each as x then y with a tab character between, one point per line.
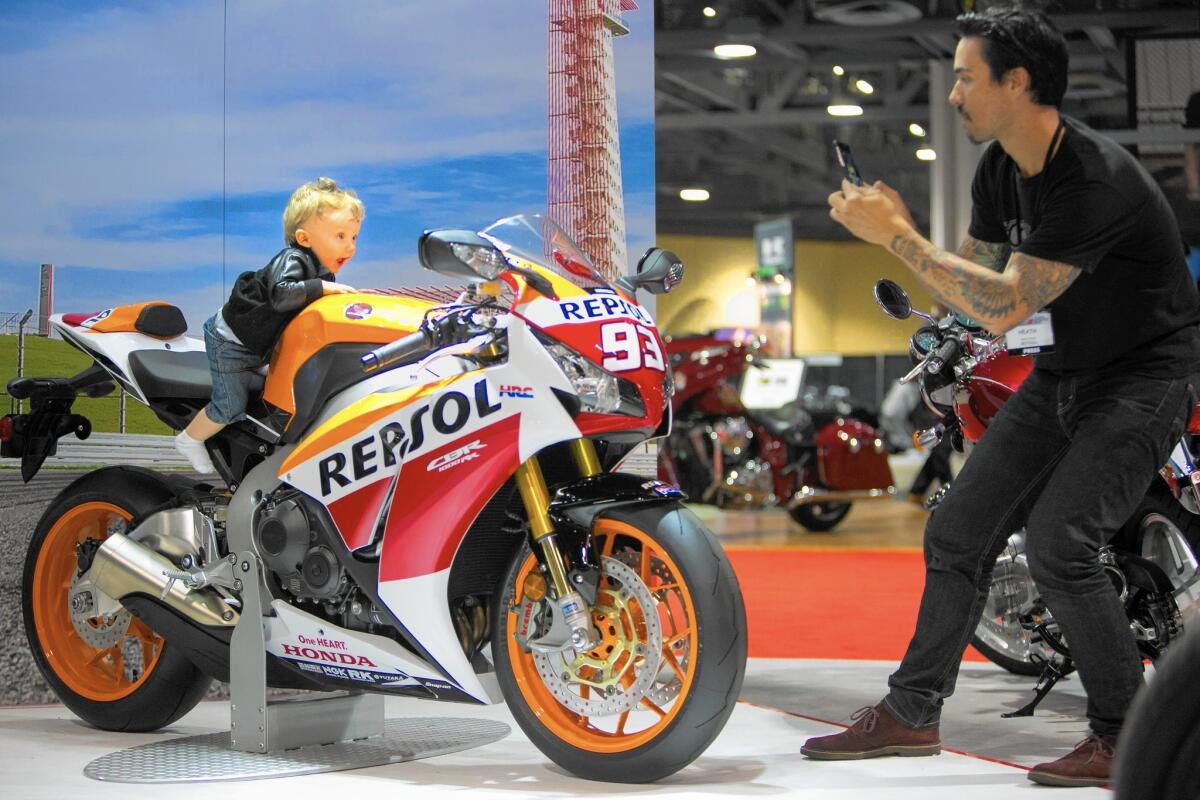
1069	459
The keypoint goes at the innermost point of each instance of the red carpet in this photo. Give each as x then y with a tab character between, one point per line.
854	604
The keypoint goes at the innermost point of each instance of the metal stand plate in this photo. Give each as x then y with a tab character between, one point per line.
208	757
260	726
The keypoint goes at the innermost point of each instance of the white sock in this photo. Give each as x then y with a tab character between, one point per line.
193	450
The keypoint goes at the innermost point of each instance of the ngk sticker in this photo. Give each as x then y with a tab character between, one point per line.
456	457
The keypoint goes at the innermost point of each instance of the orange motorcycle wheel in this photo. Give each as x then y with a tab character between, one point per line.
116	674
666	669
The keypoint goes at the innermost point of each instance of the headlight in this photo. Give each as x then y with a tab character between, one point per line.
599	391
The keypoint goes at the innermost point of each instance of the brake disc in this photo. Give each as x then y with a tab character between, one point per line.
97	631
616	674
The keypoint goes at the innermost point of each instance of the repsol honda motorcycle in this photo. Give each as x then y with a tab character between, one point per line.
813	462
965	378
421	478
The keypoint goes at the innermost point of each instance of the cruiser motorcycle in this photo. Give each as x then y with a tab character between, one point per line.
423	476
815	462
965	377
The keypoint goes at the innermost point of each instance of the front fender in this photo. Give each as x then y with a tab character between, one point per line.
576	504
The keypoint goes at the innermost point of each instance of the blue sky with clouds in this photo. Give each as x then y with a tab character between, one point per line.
134	167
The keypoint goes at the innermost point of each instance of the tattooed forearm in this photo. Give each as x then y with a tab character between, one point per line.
997	300
968	288
993	255
1039	285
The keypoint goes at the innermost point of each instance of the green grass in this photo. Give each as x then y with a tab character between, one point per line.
55	358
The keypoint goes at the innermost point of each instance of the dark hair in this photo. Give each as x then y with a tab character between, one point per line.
1017	37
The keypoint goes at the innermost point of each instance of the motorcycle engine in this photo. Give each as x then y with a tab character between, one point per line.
290	548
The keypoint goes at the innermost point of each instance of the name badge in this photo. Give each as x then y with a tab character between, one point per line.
1034	335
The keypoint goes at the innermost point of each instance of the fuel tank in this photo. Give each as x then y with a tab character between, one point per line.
318	352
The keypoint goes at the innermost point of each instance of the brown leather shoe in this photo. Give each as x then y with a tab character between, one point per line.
875	732
1087	765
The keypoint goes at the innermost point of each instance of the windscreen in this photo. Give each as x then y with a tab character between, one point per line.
537	238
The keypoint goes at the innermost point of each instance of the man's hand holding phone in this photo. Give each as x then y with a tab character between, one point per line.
873	213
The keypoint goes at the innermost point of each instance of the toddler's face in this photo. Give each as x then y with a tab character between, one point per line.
332	236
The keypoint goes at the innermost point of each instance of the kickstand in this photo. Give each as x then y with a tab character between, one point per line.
1052	673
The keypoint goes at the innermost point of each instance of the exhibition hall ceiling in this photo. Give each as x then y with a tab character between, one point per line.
755	131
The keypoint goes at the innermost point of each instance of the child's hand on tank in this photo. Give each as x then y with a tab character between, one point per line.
337	288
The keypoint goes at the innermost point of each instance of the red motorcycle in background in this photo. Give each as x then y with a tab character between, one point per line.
815	462
966	376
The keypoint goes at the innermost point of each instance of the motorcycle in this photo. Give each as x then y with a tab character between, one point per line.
815	462
965	378
424	476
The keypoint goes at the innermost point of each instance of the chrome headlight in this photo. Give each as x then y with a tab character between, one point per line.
599	391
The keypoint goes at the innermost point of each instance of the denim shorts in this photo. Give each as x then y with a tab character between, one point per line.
234	370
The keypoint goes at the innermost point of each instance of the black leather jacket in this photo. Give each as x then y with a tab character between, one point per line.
263	302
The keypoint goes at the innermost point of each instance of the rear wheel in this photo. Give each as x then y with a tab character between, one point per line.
657	689
820	517
116	674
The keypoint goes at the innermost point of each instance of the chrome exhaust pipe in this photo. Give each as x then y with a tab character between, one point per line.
123	567
807	495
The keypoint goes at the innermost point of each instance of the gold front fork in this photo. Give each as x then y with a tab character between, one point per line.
532	486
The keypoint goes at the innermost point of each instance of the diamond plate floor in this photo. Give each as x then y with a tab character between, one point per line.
44	750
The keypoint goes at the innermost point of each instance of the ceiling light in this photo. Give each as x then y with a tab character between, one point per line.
734	50
915	129
926	154
751	280
837	70
844	110
864	87
693	195
710	12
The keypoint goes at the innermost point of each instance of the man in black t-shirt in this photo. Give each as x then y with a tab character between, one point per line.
1072	241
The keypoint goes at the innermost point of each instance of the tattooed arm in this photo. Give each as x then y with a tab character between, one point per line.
997	301
993	255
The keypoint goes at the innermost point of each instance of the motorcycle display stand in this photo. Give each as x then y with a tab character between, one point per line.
320	732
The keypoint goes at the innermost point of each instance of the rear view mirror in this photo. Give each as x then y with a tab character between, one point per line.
658	271
892	299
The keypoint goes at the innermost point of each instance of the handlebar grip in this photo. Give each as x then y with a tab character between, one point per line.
946	353
405	350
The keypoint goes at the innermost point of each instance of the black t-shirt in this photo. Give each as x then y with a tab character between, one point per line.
1134	308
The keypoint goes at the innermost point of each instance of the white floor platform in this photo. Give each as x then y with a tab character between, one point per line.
43	750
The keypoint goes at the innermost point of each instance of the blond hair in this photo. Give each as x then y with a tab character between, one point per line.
317	197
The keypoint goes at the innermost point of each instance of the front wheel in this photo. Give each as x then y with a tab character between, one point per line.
660	684
1000	636
820	517
116	674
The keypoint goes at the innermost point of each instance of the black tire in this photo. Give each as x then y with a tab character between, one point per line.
712	671
1159	500
1158	754
820	517
153	698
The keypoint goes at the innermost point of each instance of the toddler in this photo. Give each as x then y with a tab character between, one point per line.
320	230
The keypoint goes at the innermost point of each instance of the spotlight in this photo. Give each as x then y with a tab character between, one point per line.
694	195
844	110
926	154
915	129
726	51
864	87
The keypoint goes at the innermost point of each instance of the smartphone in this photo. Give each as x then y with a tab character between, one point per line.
845	158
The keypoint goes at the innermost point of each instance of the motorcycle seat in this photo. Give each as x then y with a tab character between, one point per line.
791	422
174	374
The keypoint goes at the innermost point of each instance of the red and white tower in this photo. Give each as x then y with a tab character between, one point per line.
584	169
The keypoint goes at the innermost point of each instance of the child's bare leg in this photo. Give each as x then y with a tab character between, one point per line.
201	428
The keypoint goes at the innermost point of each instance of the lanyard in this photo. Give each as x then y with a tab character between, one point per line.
1059	133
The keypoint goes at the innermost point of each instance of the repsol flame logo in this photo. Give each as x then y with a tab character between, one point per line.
448	414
